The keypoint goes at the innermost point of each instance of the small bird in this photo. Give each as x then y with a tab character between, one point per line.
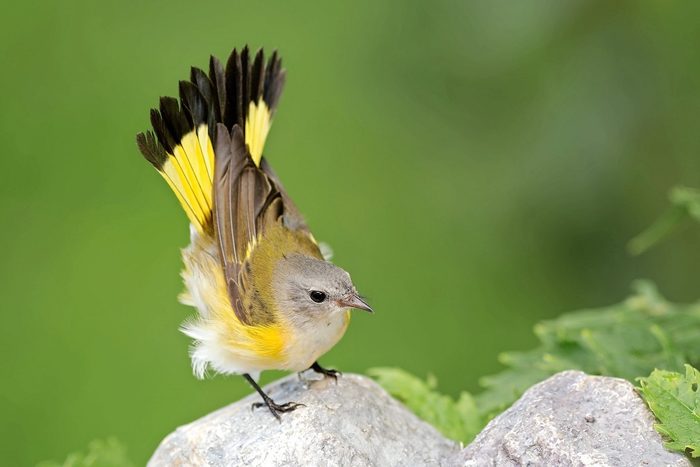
265	296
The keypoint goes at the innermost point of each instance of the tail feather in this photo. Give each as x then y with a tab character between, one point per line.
180	146
252	93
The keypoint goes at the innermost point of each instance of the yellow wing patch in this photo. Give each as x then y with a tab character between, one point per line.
189	171
257	125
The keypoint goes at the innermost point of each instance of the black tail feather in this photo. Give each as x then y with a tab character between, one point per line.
224	96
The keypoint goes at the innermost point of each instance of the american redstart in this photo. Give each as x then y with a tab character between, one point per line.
266	298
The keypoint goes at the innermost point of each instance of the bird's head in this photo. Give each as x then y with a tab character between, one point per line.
308	287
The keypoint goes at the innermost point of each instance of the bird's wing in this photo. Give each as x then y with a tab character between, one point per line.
292	217
246	204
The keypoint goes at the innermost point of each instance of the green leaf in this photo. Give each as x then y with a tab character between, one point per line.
458	420
625	340
675	400
685	204
506	386
100	453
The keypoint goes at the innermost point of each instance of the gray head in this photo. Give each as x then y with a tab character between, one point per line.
313	287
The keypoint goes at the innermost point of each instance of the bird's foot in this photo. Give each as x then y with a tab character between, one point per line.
277	409
326	371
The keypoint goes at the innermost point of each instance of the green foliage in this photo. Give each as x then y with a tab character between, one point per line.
100	453
685	204
397	138
625	340
458	420
675	400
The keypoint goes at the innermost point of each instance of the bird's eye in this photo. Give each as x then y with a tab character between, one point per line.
317	296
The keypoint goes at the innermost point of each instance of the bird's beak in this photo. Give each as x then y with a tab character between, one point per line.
355	301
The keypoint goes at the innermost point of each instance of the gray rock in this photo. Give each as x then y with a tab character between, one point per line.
573	419
352	423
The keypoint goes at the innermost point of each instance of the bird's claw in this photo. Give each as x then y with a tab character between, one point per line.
326	372
277	409
332	374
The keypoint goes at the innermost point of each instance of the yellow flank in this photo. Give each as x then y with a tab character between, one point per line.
251	346
267	343
261	345
189	172
227	345
257	125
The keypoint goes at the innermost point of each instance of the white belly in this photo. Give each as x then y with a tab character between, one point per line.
310	342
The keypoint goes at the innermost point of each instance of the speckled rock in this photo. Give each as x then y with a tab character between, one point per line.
573	419
353	423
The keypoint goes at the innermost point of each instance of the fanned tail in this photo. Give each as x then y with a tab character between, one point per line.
180	145
252	92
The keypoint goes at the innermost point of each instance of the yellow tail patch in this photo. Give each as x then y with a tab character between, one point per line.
179	145
257	125
189	171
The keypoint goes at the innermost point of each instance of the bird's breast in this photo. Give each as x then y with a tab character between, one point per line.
308	342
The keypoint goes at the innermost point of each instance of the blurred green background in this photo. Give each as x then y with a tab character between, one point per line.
477	166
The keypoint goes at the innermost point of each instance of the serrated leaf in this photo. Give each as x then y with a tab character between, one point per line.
457	420
675	400
472	421
626	340
504	388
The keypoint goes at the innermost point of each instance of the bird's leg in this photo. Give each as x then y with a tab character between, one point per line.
326	372
275	409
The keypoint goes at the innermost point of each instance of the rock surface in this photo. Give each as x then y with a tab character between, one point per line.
573	419
352	423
